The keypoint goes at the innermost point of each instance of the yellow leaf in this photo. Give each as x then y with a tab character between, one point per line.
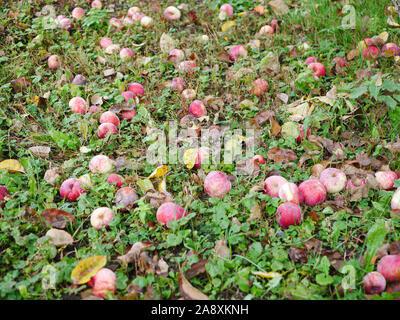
240	14
162	187
12	166
145	185
268	275
35	99
160	171
227	25
189	158
384	36
87	268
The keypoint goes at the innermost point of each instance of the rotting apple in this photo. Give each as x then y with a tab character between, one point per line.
100	164
288	214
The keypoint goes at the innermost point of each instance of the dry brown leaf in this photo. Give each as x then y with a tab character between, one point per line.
20	84
40	151
167	43
57	218
298	255
134	252
224	56
255	211
59	238
221	249
281	155
264	116
187	291
275	127
279	7
196	269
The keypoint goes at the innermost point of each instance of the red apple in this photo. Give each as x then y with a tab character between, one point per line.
266	30
259	87
136	88
188	94
109	117
126	53
115	179
101	217
390	50
386	179
272	185
96	4
178	84
288	214
290	192
374	283
198	109
313	192
172	13
78	13
126	197
71	189
389	267
106	129
78	105
371	52
66	24
333	179
216	184
187	66
169	211
100	164
105	42
311	59
318	69
104	281
339	61
128	114
3	193
237	51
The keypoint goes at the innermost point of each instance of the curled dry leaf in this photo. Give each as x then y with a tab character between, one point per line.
257	188
96	99
158	198
281	155
221	249
57	218
224	56
196	269
298	255
187	291
352	54
270	63
51	176
87	268
263	116
109	72
134	252
299	112
125	106
59	238
393	147
40	151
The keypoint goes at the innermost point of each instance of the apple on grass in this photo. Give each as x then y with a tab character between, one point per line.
313	192
288	214
71	189
374	283
101	217
272	185
333	179
216	184
104	281
169	211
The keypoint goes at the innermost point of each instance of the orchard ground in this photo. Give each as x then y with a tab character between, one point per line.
228	247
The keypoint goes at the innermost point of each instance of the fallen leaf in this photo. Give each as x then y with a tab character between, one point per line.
279	7
221	249
187	291
196	269
109	72
298	113
57	218
267	275
275	127
40	151
12	165
119	107
134	252
353	54
87	268
228	25
20	84
281	155
255	211
224	56
160	171
59	238
167	43
298	255
391	22
247	167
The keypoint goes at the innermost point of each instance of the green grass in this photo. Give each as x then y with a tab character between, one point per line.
259	245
